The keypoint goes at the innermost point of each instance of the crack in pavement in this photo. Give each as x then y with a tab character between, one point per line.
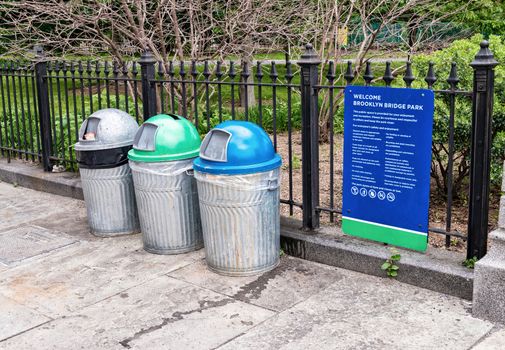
176	316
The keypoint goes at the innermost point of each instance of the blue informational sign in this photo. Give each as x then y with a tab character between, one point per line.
387	157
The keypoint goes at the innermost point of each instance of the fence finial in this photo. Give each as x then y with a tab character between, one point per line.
273	71
206	70
259	71
231	71
408	77
147	57
349	73
388	75
219	73
431	78
309	56
453	79
484	57
368	76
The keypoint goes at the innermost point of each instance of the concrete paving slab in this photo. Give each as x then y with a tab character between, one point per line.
495	341
20	205
74	223
364	312
28	241
16	318
163	313
86	273
292	281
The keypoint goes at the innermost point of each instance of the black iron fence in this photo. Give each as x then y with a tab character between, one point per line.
44	102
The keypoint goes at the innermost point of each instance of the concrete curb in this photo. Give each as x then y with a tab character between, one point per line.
31	176
436	270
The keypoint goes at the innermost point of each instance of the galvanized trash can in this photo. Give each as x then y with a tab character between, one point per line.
238	189
162	165
102	154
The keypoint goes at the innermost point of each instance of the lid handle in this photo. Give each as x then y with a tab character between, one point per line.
215	146
88	131
145	137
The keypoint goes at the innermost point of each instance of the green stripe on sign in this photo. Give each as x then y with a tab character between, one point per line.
381	233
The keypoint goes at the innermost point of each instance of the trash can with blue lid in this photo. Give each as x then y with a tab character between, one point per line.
238	180
105	138
162	165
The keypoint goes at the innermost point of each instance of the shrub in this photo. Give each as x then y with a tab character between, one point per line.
462	52
266	120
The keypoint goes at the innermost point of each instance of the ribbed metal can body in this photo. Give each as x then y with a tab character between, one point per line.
167	200
240	221
110	201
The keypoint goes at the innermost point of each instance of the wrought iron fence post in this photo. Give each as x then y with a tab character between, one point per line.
147	75
43	107
309	62
482	111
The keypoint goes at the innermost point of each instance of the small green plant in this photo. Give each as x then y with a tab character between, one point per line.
281	253
296	161
470	263
390	264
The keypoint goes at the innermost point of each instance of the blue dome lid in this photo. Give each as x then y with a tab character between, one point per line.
237	147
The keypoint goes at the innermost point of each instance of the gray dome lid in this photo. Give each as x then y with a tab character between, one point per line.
105	129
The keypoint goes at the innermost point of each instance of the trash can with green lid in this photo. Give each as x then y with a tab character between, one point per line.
105	138
162	165
238	188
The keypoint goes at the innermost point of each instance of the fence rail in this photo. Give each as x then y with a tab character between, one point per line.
44	102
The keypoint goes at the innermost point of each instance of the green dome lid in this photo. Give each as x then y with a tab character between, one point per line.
165	137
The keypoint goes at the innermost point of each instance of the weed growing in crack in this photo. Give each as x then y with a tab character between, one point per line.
390	264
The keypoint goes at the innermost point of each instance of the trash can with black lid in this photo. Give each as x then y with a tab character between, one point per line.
162	165
238	180
105	138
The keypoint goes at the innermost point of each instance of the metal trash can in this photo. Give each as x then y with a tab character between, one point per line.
102	154
162	165
238	189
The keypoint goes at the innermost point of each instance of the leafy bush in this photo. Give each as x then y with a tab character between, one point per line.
462	52
266	120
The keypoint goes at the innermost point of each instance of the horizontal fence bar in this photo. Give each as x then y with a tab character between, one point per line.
454	92
296	204
222	82
445	92
336	87
94	77
443	232
19	150
17	75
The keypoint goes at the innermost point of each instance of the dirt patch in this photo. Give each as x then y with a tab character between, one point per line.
437	213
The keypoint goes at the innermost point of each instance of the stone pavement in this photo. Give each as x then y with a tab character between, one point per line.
61	288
